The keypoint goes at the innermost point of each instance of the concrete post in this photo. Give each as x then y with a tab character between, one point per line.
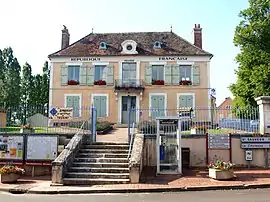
264	110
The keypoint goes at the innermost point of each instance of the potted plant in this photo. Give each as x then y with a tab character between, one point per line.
10	173
27	129
100	82
185	82
157	82
221	170
73	82
198	129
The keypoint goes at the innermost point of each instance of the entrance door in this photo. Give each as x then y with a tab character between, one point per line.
127	102
168	149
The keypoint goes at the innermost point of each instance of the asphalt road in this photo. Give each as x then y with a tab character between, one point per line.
259	195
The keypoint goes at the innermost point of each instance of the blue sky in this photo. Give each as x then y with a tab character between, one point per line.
33	28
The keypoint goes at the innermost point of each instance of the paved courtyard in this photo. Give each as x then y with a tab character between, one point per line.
119	135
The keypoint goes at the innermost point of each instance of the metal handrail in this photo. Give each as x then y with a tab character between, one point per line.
131	139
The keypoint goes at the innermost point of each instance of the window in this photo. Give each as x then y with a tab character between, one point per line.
186	101
157	45
185	72
73	73
103	45
100	102
157	104
100	73
157	72
74	102
129	73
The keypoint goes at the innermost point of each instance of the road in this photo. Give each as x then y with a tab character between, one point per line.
259	195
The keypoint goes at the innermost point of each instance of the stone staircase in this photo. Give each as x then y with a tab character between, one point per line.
99	163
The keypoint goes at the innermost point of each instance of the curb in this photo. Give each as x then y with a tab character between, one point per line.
146	190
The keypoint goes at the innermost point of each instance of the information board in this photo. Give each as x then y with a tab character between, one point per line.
218	141
11	147
41	147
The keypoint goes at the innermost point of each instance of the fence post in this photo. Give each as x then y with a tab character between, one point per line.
94	122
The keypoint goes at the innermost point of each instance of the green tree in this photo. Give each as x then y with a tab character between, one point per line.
27	85
2	81
12	78
253	38
45	84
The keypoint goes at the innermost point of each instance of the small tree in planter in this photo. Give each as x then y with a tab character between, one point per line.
10	173
221	170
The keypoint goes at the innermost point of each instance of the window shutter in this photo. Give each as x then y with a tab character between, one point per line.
103	106
110	70
161	104
196	75
148	74
76	106
83	72
90	75
189	101
64	75
182	101
69	101
175	74
154	106
168	74
96	103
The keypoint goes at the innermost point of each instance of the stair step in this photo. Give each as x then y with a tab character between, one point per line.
109	143
94	146
99	170
98	175
102	155
103	151
89	181
100	165
102	160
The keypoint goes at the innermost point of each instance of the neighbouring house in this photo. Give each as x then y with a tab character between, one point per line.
224	110
144	70
3	118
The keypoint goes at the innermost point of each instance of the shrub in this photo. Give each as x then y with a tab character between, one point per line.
103	125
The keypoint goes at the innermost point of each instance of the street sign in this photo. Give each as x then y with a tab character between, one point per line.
248	155
255	139
255	145
218	141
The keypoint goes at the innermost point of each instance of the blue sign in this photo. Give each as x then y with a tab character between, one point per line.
53	111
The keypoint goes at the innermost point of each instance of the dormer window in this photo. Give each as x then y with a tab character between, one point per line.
129	47
103	45
157	45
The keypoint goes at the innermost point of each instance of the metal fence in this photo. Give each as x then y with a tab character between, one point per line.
40	119
200	120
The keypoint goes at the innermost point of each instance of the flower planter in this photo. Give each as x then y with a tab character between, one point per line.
9	178
221	174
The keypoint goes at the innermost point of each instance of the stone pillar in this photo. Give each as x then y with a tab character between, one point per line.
264	110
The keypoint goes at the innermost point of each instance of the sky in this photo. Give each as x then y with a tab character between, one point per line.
33	28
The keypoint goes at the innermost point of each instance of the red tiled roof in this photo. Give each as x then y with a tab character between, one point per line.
89	45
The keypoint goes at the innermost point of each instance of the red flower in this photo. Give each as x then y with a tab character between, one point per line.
158	82
185	82
73	82
100	82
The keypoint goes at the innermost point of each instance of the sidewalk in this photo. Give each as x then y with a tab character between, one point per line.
192	181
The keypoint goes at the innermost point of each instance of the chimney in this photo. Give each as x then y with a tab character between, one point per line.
65	38
198	35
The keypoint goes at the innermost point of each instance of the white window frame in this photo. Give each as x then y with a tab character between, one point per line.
150	103
80	103
107	102
138	64
194	102
163	69
104	69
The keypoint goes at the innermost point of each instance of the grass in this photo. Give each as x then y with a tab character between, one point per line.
17	129
213	131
